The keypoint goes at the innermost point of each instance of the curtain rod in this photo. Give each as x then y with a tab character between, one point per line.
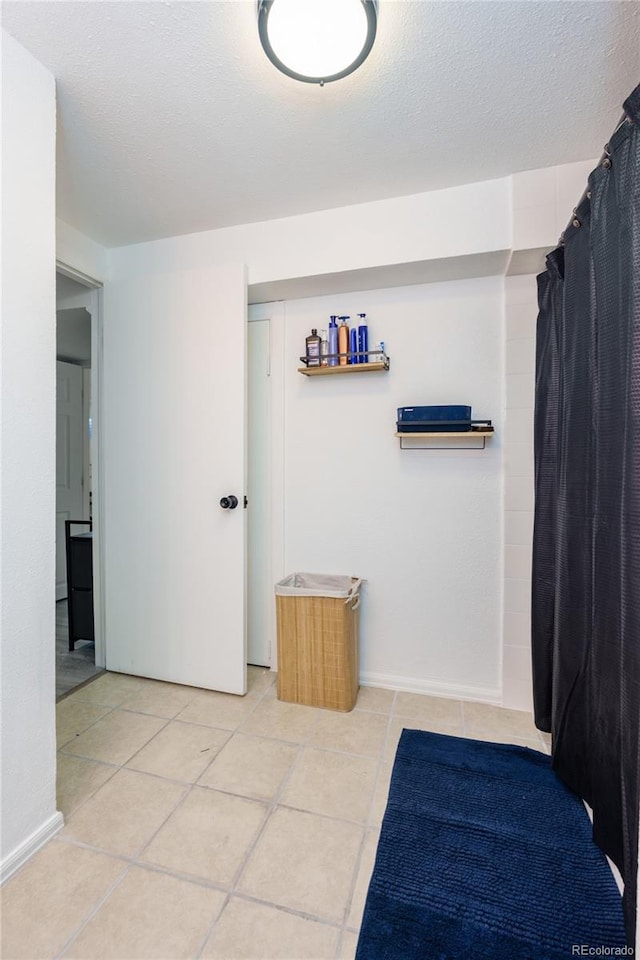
604	159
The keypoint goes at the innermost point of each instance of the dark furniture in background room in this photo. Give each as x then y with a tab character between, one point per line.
79	582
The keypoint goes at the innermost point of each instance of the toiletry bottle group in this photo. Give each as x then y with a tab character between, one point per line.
342	345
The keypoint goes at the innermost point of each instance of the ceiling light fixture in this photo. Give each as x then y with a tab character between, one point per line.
317	41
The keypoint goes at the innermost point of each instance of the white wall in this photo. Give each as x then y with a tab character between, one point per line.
521	310
460	221
27	571
543	201
459	651
445	226
423	527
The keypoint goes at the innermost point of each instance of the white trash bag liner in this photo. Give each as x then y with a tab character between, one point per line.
319	585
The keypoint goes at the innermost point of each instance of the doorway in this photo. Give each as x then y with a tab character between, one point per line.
266	461
265	473
79	654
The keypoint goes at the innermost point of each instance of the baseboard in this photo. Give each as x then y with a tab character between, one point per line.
18	857
433	688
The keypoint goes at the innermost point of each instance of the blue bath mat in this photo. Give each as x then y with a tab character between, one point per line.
485	855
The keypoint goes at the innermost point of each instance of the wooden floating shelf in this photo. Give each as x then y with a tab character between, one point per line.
348	368
459	435
482	434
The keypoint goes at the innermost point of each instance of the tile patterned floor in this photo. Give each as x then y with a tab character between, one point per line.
204	825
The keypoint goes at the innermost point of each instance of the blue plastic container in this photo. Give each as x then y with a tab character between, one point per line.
445	418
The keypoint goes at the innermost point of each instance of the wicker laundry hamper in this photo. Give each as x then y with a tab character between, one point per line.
318	640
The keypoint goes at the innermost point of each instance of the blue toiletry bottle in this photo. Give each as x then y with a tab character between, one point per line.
353	346
333	341
363	338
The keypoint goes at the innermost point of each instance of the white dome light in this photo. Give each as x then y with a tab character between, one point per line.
317	41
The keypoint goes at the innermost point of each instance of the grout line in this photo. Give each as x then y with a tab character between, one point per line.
88	727
271	808
123	765
129	862
83	759
190	788
275	801
383	754
248	898
148	865
187	793
232	733
241	895
354	881
367	826
160	776
111	708
380	713
73	842
306	743
90	796
324	816
168	721
212	925
91	914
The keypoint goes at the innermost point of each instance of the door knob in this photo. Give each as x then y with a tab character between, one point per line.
229	503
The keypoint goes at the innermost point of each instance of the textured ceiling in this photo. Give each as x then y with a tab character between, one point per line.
171	119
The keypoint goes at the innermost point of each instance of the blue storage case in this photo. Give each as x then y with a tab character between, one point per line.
447	418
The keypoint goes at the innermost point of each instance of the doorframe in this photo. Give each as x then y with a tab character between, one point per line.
95	289
275	314
86	440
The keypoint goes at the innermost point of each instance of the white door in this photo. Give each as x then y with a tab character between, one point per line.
259	587
69	462
173	447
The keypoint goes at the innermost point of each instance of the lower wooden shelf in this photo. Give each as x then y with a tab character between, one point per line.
459	435
446	435
348	368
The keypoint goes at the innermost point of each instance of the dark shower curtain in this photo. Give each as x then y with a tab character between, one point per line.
586	550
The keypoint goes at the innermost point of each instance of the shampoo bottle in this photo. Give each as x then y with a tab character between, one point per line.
343	341
333	342
313	349
363	338
353	346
